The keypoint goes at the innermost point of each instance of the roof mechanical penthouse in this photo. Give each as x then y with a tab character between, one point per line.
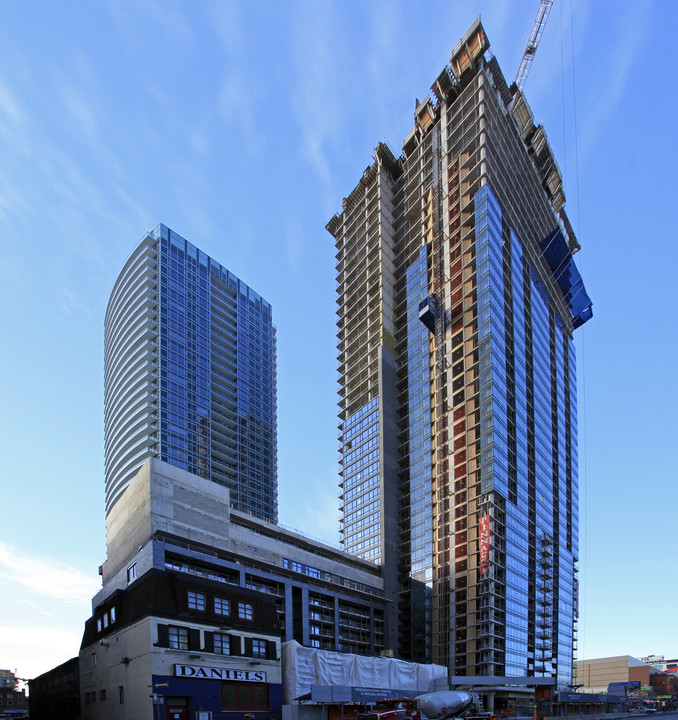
190	374
458	297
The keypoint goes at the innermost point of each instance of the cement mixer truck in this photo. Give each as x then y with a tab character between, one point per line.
434	706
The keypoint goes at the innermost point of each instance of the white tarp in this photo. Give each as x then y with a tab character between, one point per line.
304	666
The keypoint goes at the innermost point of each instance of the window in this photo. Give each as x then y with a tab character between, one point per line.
244	696
112	613
222	644
196	600
121	694
102	694
222	606
245	611
99	625
259	648
131	572
93	660
178	637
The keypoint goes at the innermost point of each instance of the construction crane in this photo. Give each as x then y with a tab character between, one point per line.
533	41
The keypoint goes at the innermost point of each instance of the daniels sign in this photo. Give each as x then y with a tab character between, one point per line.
484	544
213	673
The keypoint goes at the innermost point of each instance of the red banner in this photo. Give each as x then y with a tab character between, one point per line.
484	544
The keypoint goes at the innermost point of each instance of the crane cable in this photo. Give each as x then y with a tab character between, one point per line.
582	336
583	475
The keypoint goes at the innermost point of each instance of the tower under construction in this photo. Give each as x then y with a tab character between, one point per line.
458	297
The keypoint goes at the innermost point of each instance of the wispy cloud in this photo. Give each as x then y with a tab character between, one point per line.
38	609
633	29
294	244
37	637
13	121
321	70
71	303
167	19
46	576
80	110
239	93
9	105
35	650
42	170
316	513
234	105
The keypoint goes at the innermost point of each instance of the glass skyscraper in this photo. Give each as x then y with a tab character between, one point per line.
190	374
458	299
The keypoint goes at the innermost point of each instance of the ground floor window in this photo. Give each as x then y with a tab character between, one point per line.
244	696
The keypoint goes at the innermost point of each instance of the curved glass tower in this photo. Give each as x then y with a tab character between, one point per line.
190	374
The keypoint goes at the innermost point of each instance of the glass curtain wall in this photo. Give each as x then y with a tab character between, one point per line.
190	374
218	382
419	441
528	459
361	517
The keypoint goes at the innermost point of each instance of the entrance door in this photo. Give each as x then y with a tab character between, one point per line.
177	713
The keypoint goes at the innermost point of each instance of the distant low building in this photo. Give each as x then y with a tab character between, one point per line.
55	695
7	680
13	702
660	662
597	674
664	684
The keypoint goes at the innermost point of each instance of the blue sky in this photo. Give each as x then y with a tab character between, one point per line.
241	125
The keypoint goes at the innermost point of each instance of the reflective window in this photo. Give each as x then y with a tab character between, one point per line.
222	644
196	600
245	611
259	648
222	606
178	637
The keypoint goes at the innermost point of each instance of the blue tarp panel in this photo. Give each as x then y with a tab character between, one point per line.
558	258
